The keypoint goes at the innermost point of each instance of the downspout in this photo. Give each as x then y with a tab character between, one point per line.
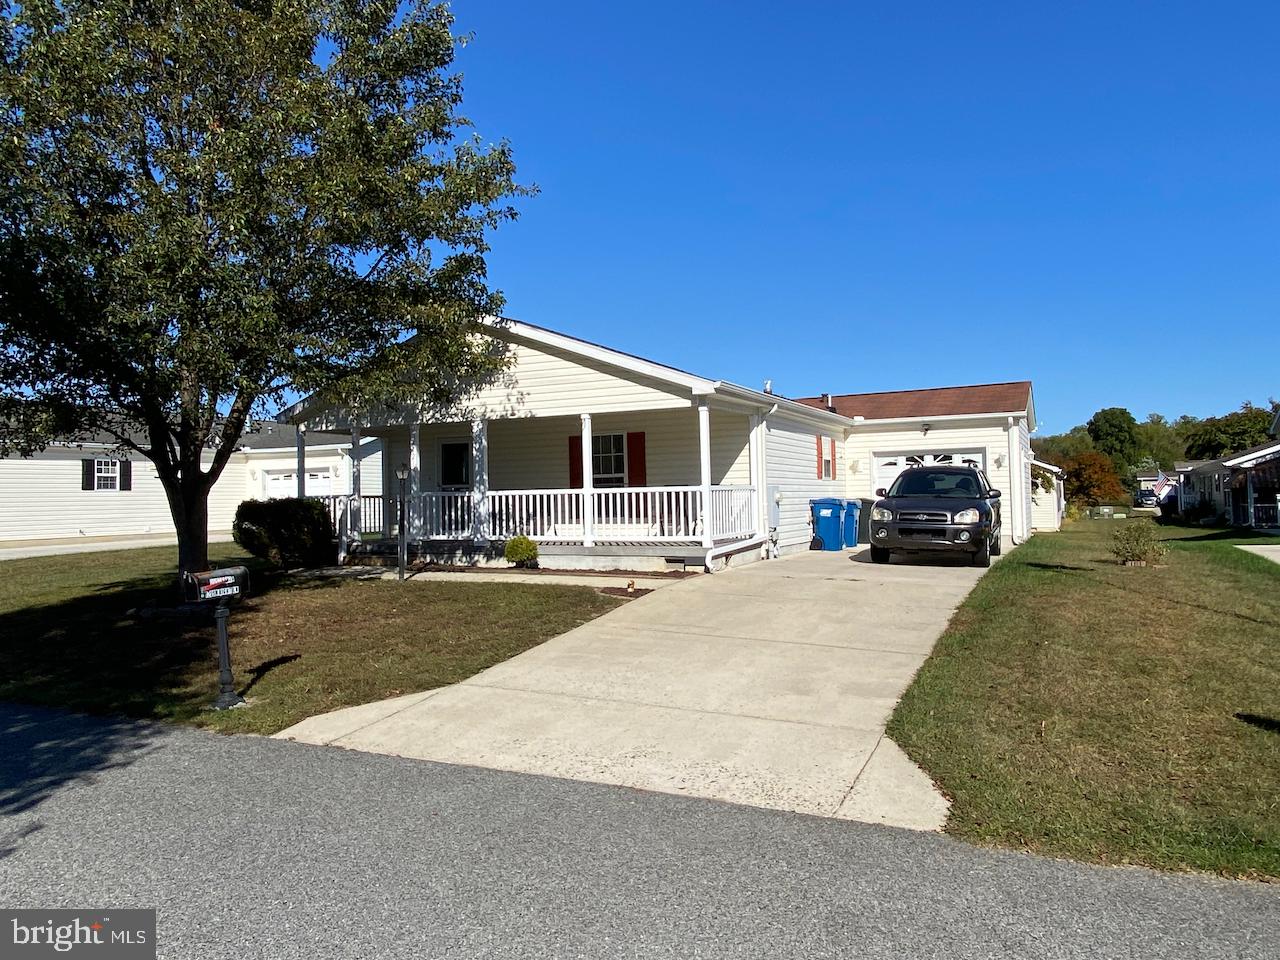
1016	485
770	546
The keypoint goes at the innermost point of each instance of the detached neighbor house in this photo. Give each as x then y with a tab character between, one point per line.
609	460
91	492
1244	487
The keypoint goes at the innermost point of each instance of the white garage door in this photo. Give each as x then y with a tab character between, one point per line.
889	465
284	483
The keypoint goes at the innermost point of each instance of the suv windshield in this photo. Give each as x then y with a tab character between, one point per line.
930	483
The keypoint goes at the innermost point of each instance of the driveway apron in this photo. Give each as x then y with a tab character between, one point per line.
767	685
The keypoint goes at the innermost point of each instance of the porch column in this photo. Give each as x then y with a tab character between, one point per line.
415	480
300	452
355	526
588	486
754	462
480	481
1248	481
704	460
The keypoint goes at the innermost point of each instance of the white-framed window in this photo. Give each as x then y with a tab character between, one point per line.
106	474
828	465
609	459
455	465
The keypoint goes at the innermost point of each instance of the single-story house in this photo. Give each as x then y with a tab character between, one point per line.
91	491
610	460
1243	487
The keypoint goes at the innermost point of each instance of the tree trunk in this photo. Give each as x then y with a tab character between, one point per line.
189	508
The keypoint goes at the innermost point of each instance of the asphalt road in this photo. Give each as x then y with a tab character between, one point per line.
250	847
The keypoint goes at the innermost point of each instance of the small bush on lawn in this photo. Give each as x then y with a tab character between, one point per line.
521	551
289	532
1138	541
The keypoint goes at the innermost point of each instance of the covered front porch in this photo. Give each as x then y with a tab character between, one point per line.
618	485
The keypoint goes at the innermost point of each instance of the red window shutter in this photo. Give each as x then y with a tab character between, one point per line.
575	462
833	458
819	440
635	460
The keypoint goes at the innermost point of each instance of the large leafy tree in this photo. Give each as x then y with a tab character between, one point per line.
209	206
1221	436
1115	433
1091	478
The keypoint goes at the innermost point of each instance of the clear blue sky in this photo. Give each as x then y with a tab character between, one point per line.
853	196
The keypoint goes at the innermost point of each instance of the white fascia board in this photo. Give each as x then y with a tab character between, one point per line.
1046	466
594	351
945	418
310	448
758	399
1247	459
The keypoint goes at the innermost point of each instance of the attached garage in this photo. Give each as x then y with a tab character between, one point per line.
987	426
284	483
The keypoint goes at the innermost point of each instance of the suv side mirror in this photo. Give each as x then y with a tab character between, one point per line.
882	492
993	494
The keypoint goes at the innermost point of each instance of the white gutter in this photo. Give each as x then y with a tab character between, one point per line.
867	422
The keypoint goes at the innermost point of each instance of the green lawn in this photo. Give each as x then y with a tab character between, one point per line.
96	632
1079	708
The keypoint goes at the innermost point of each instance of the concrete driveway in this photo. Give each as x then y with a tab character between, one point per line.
766	685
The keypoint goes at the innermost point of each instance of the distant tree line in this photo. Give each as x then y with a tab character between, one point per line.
1102	459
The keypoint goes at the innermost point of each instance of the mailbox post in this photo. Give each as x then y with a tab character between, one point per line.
221	587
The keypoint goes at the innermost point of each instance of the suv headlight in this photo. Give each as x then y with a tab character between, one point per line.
881	514
967	516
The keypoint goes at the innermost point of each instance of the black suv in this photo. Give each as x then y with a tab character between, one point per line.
937	508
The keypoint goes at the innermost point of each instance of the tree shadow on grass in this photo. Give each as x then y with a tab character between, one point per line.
122	648
46	750
1269	724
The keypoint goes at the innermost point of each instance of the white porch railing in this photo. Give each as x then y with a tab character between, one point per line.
371	510
630	514
1266	515
536	514
648	513
447	516
733	512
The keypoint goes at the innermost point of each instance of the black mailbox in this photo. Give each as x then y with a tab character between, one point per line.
221	586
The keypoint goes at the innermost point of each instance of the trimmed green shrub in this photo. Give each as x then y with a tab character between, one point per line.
288	532
1138	541
521	551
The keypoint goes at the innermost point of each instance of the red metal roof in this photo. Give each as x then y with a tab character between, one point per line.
1012	397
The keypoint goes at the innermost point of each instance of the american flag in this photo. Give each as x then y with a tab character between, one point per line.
1162	484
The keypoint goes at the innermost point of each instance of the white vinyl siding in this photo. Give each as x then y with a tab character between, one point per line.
791	464
41	499
544	383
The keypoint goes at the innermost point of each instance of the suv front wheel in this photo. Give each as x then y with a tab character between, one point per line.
982	556
879	554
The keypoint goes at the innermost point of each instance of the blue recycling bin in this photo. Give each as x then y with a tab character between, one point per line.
828	523
851	510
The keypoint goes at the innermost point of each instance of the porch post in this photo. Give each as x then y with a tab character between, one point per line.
1248	480
415	480
355	525
300	452
753	461
704	460
480	481
588	486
